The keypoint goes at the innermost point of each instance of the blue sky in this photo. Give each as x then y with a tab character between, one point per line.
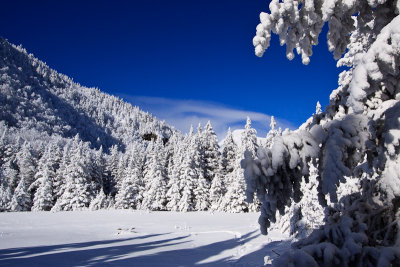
184	61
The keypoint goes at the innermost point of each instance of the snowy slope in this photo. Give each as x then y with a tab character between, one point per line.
122	238
42	103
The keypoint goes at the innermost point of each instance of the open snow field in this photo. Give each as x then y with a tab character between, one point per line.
135	238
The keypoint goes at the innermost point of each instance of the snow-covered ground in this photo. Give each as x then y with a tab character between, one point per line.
135	238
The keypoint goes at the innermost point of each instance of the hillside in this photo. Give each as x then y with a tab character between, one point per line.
35	98
64	146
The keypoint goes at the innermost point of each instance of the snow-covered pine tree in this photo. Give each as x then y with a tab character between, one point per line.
201	192
228	155
149	152
130	193
26	164
311	211
44	197
175	185
61	173
174	192
77	192
8	177
188	172
217	192
98	170
154	197
109	181
225	175
99	202
210	148
356	139
21	199
318	109
249	139
249	145
235	197
120	172
301	218
272	124
271	133
205	161
5	193
9	167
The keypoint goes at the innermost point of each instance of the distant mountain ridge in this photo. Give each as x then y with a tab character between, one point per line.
36	97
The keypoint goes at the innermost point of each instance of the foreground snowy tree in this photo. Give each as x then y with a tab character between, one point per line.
356	139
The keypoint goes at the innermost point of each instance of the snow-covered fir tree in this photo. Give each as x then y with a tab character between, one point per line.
189	173
235	197
44	198
61	173
249	139
21	200
154	196
175	184
272	133
98	170
10	168
210	148
77	193
130	193
26	164
318	109
301	218
217	192
101	201
45	176
205	155
228	155
112	171
356	138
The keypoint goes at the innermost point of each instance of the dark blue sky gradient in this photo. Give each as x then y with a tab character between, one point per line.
198	50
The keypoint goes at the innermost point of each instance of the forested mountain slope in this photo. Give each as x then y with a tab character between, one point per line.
34	97
64	146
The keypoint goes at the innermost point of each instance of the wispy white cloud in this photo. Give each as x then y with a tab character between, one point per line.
183	113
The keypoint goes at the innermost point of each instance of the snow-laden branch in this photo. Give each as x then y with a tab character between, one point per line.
380	61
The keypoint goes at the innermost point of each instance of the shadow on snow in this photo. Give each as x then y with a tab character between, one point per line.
121	252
